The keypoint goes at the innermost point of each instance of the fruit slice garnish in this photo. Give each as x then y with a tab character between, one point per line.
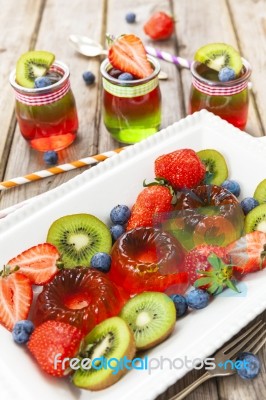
78	237
32	65
128	54
216	167
219	55
109	341
260	192
151	316
15	297
38	263
256	219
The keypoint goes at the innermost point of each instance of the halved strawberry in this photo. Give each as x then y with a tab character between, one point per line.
248	253
52	343
38	263
128	54
15	297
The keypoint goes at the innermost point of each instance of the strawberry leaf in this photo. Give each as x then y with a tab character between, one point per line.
215	261
202	281
232	286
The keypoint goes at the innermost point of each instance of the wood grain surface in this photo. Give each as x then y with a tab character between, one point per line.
47	24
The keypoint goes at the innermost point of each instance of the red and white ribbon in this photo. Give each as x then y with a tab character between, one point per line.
219	90
45	98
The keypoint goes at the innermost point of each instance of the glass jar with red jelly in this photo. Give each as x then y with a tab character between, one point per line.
47	116
131	108
229	100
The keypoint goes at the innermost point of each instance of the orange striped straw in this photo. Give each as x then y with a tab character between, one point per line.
35	176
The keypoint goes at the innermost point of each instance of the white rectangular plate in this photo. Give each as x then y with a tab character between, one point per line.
96	191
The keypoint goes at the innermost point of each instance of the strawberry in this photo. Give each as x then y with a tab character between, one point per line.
151	201
181	168
160	26
206	268
248	253
15	297
128	54
51	343
38	263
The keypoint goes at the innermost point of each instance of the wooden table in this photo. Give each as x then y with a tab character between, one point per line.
46	24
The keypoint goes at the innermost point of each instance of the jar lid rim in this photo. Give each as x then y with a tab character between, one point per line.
245	76
55	86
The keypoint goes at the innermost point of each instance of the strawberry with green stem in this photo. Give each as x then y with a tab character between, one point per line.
217	278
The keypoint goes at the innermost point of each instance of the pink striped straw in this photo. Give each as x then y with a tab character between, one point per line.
163	55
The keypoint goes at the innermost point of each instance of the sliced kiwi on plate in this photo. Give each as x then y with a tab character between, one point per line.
256	219
219	55
111	339
151	316
260	192
78	237
32	65
216	167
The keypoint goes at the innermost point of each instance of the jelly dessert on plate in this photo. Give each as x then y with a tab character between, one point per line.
82	297
148	259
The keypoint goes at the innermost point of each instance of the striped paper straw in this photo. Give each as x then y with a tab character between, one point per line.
163	55
35	176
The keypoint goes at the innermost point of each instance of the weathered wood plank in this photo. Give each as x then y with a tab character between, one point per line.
58	22
172	102
252	14
202	22
15	39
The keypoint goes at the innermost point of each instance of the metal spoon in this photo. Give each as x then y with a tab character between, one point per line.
91	48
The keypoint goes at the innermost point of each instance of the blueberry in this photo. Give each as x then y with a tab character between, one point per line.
197	299
232	186
180	304
120	214
248	204
42	81
126	76
117	231
22	331
50	157
131	17
226	74
249	368
88	77
101	261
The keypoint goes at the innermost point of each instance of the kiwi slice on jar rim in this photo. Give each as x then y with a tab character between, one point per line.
216	167
256	219
219	55
111	339
78	237
151	316
32	65
260	192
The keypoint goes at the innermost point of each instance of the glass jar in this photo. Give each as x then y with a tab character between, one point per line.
47	117
229	100
131	109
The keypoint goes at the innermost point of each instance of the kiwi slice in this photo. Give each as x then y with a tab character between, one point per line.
219	55
216	167
31	65
151	316
78	237
260	192
256	219
111	339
